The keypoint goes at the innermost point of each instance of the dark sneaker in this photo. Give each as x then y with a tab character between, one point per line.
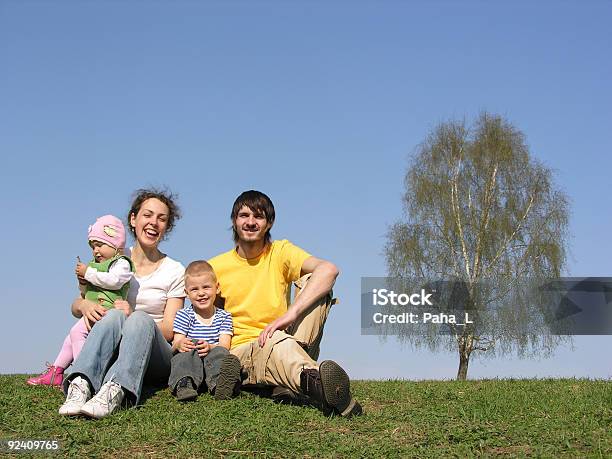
228	384
185	390
329	390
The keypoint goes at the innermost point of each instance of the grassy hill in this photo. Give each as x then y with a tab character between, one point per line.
561	417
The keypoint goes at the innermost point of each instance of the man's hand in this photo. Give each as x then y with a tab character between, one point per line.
80	270
279	324
123	305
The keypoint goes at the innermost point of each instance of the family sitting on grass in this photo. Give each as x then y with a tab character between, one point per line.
238	331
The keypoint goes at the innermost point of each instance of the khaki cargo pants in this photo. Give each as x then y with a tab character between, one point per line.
286	353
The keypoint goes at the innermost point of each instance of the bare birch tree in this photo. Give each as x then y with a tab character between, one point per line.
480	209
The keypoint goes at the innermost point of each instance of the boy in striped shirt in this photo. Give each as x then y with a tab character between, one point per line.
202	338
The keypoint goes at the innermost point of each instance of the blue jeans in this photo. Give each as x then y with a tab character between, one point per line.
128	350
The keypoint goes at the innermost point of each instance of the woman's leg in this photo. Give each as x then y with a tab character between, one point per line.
98	351
143	350
158	371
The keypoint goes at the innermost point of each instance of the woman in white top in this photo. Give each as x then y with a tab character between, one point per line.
129	344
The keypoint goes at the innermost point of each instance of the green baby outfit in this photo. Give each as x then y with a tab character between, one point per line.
103	296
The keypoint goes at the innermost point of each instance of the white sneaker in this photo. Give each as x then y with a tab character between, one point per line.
78	394
107	400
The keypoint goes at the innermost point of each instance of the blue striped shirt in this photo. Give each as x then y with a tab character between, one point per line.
187	324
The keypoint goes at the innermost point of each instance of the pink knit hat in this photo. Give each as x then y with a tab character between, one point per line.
108	229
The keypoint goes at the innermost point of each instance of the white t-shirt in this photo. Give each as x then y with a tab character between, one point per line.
149	293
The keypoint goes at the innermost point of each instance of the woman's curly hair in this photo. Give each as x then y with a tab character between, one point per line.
164	195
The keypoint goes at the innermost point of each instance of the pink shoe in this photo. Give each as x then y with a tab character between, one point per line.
54	376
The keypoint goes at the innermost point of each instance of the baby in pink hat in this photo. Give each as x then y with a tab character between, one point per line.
103	280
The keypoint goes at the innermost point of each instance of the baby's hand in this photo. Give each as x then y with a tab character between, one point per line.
80	270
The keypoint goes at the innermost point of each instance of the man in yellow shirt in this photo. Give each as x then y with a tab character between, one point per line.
277	343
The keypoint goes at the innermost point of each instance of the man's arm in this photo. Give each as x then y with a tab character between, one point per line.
322	279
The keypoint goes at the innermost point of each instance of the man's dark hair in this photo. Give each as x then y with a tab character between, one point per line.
257	202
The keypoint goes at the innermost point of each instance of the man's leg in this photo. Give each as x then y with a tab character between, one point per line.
244	354
283	362
308	329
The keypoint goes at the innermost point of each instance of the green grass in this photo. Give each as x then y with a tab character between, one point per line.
550	418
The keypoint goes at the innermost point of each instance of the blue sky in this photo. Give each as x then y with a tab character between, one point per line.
318	104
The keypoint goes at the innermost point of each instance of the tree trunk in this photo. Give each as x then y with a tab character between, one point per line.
464	361
465	343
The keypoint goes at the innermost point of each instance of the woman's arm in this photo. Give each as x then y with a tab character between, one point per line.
167	323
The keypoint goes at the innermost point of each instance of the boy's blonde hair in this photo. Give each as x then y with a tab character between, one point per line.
199	267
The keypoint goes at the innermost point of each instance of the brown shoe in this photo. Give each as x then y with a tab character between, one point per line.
329	390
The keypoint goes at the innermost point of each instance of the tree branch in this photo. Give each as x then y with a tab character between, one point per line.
450	246
455	206
484	222
507	240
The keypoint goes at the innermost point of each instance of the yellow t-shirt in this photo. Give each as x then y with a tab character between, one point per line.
255	290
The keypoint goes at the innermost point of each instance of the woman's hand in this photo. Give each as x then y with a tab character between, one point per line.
123	305
92	312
